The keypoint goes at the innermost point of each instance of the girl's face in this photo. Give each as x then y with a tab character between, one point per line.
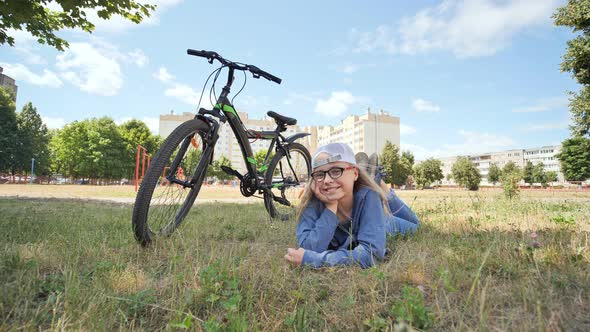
335	189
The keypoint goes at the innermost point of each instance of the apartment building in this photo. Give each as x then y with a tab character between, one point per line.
8	82
367	132
545	154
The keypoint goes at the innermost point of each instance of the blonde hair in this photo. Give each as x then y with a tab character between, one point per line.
363	180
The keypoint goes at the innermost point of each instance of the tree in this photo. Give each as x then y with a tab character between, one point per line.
551	176
575	158
527	173
397	169
407	155
33	141
221	175
510	168
511	176
259	157
8	130
67	148
494	174
90	149
576	60
466	174
510	182
539	175
136	132
427	172
42	22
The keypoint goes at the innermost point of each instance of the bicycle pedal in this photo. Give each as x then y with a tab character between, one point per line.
230	171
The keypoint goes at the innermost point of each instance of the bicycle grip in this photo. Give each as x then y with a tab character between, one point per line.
202	53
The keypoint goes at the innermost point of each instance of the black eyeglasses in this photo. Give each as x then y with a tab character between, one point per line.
334	172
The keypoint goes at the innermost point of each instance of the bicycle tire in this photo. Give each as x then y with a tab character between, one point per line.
149	209
302	161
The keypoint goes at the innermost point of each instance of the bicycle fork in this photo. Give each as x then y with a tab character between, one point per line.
210	139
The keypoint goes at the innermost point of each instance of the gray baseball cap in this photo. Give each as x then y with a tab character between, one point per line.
336	152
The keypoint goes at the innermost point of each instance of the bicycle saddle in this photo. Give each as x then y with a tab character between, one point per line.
282	119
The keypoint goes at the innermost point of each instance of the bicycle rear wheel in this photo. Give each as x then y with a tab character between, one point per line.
161	205
287	174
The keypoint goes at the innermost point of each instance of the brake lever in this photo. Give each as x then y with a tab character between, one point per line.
210	60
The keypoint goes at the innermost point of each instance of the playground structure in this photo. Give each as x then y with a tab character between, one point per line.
145	163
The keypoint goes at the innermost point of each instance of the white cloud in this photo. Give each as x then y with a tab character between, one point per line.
21	73
380	39
465	28
163	75
544	105
181	91
26	46
184	93
151	122
421	105
406	130
187	95
337	104
470	143
295	97
90	69
546	126
53	123
350	69
138	57
475	142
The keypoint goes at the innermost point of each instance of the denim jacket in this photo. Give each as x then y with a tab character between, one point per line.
327	242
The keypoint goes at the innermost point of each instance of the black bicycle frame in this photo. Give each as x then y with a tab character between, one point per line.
224	111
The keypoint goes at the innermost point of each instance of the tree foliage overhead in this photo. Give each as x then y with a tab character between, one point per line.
576	60
574	158
466	174
37	17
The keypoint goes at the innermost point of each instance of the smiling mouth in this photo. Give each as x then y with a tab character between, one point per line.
330	190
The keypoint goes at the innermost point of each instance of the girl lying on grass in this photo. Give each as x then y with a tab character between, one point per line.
345	214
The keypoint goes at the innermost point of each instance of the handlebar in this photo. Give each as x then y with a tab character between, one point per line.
256	72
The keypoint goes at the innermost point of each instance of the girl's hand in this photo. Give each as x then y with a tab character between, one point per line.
295	256
331	204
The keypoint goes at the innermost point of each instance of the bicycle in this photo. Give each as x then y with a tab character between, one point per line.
177	171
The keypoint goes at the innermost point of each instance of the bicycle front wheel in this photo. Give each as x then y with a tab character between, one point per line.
171	184
287	175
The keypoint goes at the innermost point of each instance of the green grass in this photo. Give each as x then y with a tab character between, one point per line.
472	266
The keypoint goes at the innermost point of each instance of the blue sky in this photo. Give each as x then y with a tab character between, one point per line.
463	76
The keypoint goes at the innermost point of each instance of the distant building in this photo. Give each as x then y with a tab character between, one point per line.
367	132
545	154
8	82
